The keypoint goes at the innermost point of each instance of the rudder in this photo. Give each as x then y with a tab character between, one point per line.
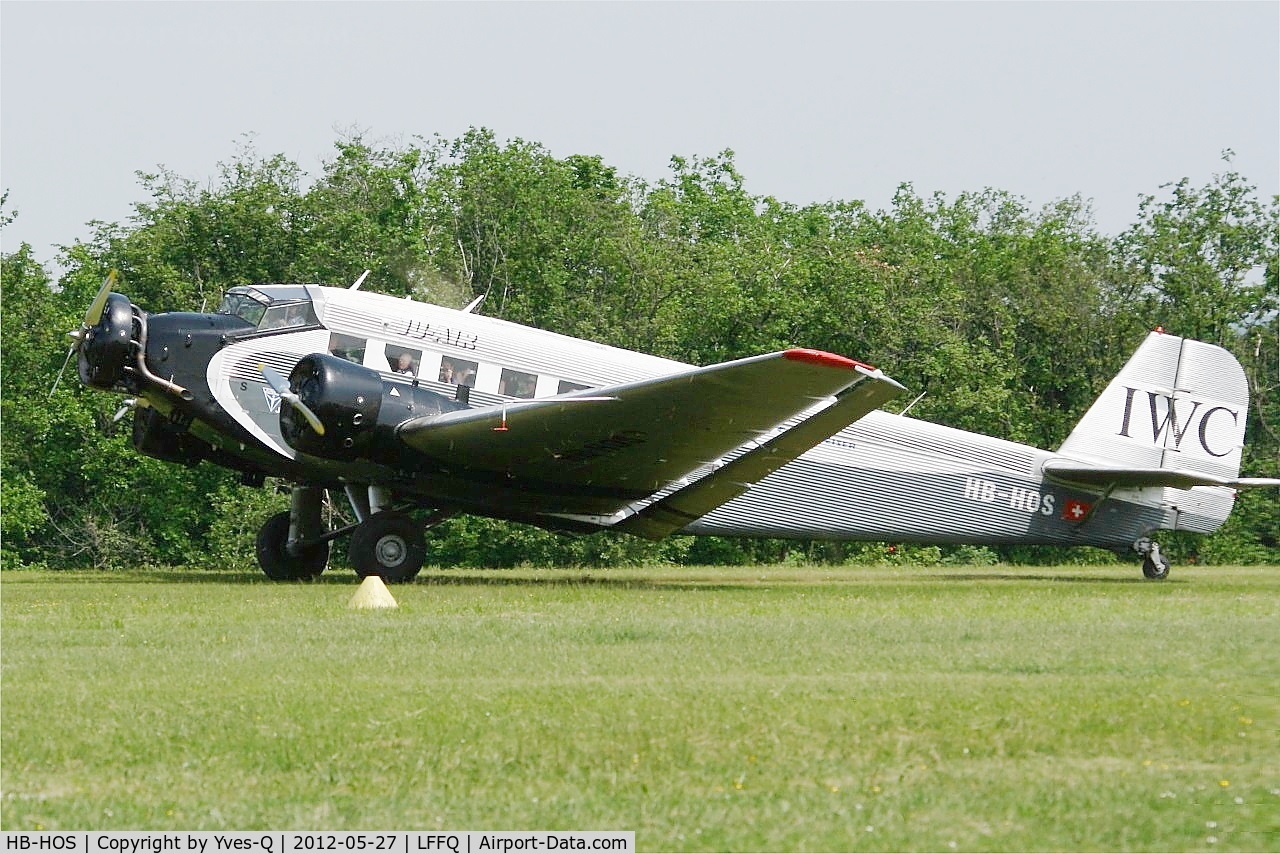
1178	404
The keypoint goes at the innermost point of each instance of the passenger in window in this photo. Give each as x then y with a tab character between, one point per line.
404	364
457	371
517	383
296	315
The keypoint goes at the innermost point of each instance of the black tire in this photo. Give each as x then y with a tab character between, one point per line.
390	545
1156	570
275	559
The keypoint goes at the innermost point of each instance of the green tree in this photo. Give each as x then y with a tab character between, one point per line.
26	302
1010	319
189	243
369	210
1203	254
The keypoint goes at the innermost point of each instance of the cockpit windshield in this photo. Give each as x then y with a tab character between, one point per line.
242	306
286	307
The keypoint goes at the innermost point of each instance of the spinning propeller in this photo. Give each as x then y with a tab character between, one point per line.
281	387
92	318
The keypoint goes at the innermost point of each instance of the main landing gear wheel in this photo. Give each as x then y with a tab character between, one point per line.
275	558
390	545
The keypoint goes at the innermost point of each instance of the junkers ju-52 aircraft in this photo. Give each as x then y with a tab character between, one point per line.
404	405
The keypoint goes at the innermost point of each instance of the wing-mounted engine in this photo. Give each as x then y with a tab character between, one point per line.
358	410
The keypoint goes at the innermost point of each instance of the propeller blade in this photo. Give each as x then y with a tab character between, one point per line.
94	314
281	387
312	418
71	352
277	382
125	408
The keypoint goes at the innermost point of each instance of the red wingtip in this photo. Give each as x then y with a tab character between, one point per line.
821	357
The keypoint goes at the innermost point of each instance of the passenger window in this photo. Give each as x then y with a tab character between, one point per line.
403	360
347	347
566	387
457	371
517	383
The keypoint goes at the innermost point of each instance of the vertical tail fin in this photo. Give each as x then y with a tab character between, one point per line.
1177	405
1174	418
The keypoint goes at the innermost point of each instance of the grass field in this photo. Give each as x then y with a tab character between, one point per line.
739	709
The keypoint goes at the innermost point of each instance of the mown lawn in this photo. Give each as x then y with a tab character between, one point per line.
722	709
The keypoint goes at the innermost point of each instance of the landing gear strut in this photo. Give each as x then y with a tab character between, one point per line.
289	545
1154	564
386	542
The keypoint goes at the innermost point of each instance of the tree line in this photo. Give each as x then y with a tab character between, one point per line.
1009	319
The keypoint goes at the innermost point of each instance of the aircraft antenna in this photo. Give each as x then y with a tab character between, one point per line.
919	397
360	281
471	306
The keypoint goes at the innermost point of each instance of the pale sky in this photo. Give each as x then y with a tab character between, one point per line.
819	101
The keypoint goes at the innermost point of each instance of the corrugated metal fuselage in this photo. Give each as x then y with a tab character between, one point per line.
886	477
899	479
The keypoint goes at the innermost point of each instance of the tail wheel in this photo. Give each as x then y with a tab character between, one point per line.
1155	567
274	556
390	545
1154	564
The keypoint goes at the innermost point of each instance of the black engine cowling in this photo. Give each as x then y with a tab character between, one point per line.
104	352
359	409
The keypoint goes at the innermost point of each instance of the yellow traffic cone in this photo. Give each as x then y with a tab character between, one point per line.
372	593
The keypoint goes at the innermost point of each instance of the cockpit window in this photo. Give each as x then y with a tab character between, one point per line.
288	316
242	306
268	313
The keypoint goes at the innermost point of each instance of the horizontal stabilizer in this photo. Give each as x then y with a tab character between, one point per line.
699	498
1069	471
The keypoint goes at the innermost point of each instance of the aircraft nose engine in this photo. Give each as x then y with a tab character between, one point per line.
105	345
